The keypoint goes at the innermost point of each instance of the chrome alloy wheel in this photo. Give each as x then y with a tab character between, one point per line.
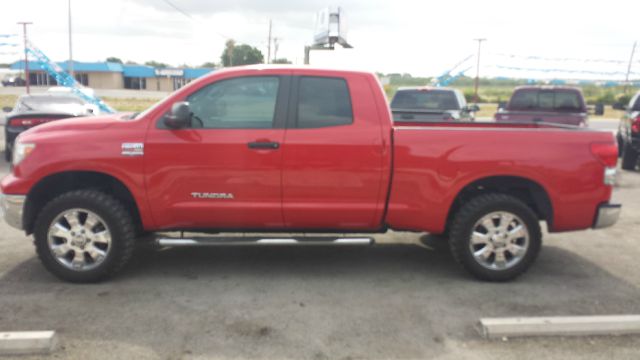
79	239
499	240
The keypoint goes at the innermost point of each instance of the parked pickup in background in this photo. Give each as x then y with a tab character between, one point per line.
549	104
305	151
434	104
629	133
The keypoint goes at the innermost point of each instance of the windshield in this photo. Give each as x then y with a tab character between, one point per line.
548	100
437	100
66	104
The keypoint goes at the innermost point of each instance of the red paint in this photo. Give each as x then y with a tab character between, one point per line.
326	179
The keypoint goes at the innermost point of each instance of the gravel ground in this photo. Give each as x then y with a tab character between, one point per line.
379	302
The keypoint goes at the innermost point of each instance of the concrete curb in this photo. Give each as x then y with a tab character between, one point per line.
27	342
492	328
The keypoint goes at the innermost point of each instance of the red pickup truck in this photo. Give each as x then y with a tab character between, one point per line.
551	104
299	150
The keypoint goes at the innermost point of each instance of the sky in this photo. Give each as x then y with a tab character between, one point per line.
423	38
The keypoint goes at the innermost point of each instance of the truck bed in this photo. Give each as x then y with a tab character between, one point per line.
434	161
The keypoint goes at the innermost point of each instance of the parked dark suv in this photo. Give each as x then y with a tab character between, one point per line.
629	132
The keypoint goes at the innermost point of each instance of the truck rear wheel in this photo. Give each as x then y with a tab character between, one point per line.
84	236
629	158
496	237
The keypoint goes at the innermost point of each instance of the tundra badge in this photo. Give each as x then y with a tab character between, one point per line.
132	149
206	195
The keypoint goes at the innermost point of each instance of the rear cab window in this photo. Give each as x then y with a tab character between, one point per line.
427	99
323	102
557	100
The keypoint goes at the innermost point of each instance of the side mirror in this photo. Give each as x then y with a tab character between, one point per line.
619	106
502	105
473	108
180	116
7	109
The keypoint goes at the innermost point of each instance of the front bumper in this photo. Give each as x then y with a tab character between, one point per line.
607	215
11	208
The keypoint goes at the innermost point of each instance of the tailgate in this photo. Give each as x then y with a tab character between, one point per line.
575	119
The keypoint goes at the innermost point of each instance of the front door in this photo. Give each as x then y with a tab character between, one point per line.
223	172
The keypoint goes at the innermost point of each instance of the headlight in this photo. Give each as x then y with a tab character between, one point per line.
21	151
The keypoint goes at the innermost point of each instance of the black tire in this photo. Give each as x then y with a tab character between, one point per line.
620	145
463	225
629	158
7	153
115	216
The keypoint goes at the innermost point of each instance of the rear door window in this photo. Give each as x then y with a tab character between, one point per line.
323	102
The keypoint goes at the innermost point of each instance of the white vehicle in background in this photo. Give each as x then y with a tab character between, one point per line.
94	109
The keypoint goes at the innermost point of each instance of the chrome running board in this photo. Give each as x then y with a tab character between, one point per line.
235	241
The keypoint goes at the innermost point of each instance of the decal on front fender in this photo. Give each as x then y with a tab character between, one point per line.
132	149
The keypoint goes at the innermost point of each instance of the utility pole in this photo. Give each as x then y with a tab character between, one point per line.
626	80
70	45
276	45
26	57
269	44
475	92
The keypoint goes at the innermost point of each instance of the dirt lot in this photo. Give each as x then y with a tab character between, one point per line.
329	303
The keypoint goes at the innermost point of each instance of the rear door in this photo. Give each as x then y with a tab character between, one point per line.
333	154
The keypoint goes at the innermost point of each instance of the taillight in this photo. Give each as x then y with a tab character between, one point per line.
635	125
606	153
27	122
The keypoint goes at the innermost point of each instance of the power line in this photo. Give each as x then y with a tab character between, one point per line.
175	7
561	59
178	9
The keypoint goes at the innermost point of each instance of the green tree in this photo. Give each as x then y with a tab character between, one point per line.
156	64
281	61
209	64
114	60
234	55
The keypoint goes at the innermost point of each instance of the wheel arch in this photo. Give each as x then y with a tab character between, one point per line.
59	183
532	193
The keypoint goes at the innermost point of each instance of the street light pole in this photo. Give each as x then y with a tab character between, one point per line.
626	79
475	92
26	57
70	45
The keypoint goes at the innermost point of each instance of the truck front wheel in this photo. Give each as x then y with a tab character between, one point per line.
84	236
496	237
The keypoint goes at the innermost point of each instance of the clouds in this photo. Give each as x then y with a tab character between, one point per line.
420	37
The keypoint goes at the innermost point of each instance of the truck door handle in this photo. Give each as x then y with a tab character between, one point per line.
264	145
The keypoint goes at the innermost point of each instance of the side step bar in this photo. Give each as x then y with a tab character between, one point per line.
231	241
